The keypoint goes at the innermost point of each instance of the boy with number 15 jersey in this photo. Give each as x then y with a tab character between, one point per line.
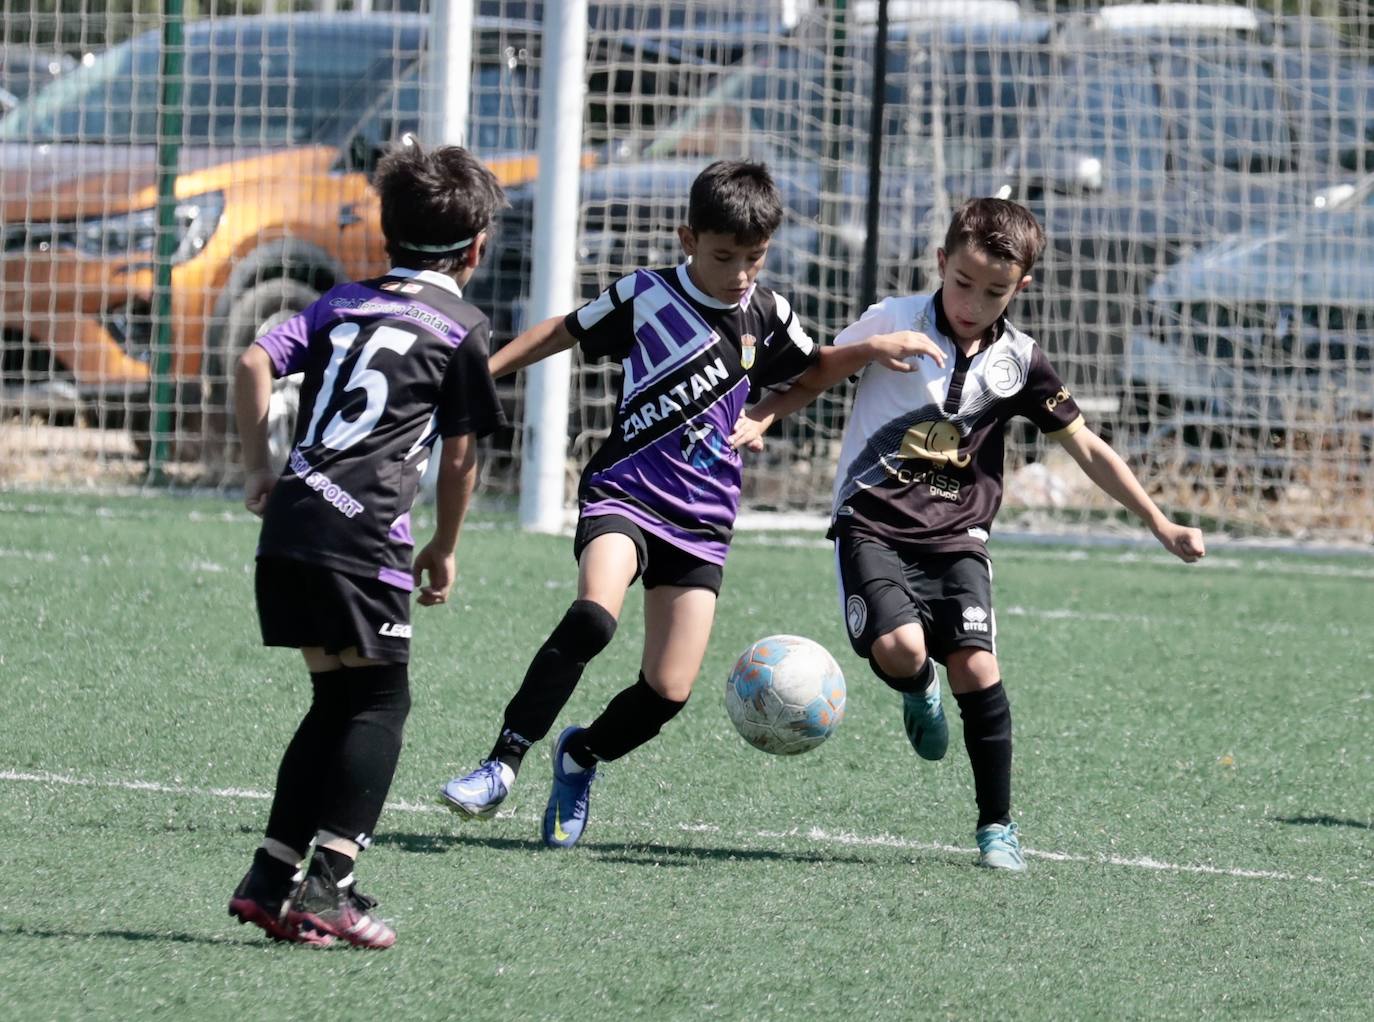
393	367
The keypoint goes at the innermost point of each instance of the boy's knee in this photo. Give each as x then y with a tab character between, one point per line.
972	669
897	655
378	695
586	629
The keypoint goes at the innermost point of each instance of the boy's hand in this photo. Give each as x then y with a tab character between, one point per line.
1181	541
747	433
440	566
257	487
893	350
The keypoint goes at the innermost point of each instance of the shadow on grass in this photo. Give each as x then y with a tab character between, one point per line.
633	852
136	936
1323	821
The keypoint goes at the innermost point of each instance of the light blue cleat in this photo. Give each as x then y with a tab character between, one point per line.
478	794
925	722
1000	848
565	817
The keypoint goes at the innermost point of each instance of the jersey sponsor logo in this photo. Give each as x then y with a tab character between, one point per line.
855	615
704	448
1060	396
672	400
975	619
337	497
934	440
402	286
392	630
748	346
1004	375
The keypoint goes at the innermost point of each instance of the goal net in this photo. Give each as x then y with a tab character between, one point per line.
1203	172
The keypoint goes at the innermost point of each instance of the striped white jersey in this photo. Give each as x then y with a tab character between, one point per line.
921	462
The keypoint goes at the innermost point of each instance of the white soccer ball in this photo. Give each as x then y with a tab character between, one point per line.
785	694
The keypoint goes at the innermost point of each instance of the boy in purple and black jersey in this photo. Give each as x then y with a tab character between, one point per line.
658	500
393	368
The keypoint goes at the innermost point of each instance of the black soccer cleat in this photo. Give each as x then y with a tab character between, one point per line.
254	901
328	908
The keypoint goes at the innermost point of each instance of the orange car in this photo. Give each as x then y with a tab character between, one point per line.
283	118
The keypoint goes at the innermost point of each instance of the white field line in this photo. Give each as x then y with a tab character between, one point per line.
811	835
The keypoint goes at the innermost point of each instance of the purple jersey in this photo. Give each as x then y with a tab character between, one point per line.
690	365
390	365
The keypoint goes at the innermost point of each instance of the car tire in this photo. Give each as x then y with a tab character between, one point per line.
250	315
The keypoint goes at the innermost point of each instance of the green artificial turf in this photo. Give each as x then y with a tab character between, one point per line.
1193	780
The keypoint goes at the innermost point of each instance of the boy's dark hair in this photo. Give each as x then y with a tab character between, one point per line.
434	204
735	197
999	227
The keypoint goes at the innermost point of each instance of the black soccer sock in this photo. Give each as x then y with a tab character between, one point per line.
987	737
366	748
629	720
918	682
338	864
293	819
586	629
273	873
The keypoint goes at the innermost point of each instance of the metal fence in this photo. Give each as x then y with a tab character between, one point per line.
1203	173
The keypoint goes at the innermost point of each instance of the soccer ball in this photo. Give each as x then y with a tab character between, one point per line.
785	694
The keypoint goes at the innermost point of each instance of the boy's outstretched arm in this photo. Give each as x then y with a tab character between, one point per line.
1114	477
452	494
835	364
252	397
534	345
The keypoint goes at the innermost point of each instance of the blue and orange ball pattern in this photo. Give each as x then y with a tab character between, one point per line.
785	695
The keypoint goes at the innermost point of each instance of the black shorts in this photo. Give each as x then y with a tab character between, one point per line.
948	595
660	563
302	604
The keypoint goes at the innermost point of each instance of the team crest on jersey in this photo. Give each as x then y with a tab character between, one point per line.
1004	375
748	346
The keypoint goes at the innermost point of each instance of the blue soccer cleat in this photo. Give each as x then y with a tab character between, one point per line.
924	719
565	817
1000	848
478	794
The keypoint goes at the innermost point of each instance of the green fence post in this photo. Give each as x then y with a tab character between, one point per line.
162	391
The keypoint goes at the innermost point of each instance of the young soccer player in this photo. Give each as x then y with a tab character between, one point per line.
393	366
658	500
920	480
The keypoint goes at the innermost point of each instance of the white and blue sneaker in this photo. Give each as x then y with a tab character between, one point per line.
924	719
565	817
1000	848
478	794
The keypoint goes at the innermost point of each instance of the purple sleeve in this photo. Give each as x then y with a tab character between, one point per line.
288	342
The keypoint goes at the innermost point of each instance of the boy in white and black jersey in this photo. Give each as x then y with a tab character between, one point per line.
920	481
393	368
657	501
